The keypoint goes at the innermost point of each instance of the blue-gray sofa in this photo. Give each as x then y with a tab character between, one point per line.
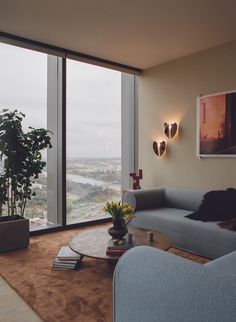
154	286
164	210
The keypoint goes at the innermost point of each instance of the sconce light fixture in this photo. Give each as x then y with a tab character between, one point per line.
159	148
170	130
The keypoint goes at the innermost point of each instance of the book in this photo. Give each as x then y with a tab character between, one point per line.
65	264
66	253
62	269
65	268
67	259
115	252
111	245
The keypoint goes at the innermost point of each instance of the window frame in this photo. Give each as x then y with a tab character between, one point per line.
129	110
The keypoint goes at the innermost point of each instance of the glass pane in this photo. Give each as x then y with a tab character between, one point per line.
23	83
93	140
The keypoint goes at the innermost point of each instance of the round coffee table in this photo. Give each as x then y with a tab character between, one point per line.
93	243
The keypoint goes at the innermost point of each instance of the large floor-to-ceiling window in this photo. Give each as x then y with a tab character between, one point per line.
93	140
91	111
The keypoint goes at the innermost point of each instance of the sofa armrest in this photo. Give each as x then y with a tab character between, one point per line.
145	198
153	286
225	264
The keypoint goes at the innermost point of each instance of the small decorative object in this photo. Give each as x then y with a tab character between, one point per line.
159	148
129	238
120	213
170	130
150	236
136	179
20	153
216	127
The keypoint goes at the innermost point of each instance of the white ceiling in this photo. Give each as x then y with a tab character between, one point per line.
139	33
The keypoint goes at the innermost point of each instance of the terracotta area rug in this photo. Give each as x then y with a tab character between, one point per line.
83	296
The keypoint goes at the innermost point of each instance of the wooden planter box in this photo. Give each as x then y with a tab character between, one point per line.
14	234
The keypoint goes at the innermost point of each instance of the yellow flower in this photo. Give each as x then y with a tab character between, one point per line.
119	211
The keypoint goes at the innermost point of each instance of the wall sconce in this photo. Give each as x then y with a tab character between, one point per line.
159	148
170	130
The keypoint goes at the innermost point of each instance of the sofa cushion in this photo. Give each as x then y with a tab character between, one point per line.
161	217
205	238
183	199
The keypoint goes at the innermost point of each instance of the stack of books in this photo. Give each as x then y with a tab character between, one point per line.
67	259
114	249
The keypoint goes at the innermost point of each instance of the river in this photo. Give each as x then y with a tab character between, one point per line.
104	184
93	182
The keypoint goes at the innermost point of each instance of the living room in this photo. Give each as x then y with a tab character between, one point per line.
124	87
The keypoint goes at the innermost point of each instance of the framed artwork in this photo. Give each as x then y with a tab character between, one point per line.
216	125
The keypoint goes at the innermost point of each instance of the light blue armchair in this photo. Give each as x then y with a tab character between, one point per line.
154	286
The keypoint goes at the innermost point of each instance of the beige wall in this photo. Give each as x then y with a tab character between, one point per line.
168	92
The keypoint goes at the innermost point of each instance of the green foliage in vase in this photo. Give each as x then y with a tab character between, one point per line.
22	161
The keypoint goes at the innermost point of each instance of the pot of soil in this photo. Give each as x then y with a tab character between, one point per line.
14	233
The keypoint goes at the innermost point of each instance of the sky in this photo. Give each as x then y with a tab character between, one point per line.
93	100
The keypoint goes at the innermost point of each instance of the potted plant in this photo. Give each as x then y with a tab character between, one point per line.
20	155
120	213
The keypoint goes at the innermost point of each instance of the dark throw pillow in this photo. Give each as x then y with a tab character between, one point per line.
218	205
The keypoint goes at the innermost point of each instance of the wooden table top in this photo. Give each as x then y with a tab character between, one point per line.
93	243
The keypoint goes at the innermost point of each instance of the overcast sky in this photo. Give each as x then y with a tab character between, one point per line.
93	100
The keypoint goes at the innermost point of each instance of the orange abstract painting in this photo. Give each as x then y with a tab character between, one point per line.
217	133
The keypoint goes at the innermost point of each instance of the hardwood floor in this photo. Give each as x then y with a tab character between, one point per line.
193	257
13	308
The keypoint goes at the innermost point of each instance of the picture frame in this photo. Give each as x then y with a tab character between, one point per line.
216	125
